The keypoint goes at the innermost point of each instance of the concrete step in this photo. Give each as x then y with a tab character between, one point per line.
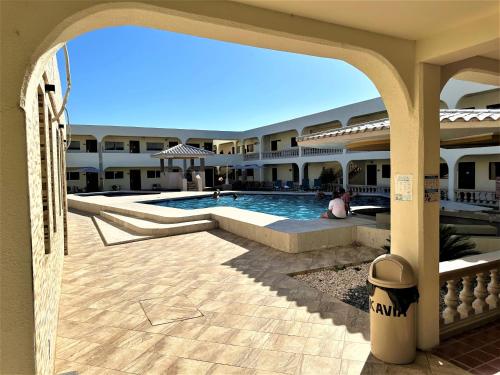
152	228
112	234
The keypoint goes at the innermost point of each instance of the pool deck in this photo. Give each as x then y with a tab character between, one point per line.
289	235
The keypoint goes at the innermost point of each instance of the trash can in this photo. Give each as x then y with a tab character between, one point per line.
392	302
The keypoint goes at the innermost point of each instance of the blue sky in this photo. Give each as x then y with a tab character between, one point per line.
143	77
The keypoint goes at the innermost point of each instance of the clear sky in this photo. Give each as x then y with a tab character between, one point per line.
143	77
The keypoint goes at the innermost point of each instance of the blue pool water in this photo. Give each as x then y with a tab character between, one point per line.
290	206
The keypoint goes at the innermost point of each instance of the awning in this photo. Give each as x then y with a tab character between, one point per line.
88	170
459	128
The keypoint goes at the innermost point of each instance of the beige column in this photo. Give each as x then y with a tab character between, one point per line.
414	222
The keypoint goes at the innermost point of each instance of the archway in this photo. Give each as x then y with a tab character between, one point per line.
393	75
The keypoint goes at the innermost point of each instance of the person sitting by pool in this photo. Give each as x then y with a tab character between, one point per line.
336	208
320	195
346	197
235	196
216	194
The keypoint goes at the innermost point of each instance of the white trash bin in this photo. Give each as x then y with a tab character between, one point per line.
392	329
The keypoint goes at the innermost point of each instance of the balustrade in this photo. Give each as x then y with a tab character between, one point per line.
369	189
311	151
252	156
288	153
475	196
477	279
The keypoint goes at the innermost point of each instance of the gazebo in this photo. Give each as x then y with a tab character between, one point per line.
184	152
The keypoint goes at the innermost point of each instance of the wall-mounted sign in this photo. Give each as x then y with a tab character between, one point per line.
431	188
404	184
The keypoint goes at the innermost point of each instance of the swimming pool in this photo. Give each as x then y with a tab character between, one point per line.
291	206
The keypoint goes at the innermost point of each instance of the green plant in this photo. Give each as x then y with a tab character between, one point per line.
451	245
328	176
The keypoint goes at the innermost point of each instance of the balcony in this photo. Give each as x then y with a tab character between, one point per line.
469	293
251	156
281	154
82	159
311	151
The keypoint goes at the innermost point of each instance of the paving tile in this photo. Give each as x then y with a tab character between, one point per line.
256	319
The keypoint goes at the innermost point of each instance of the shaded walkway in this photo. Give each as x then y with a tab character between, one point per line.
230	306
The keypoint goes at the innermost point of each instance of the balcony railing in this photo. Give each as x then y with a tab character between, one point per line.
311	151
289	153
252	156
369	189
487	198
469	292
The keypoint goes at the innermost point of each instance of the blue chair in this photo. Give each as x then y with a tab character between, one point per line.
277	185
317	184
289	185
305	184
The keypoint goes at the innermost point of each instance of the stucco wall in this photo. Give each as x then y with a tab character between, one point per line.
483	183
480	100
284	140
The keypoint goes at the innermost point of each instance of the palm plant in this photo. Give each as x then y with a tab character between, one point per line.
451	245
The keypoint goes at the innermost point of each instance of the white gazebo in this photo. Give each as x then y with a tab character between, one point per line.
185	152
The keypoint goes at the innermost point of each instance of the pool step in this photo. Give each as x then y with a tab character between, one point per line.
152	228
112	234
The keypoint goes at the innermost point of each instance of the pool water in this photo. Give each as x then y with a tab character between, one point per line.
290	206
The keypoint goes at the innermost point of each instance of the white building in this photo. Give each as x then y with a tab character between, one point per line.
119	157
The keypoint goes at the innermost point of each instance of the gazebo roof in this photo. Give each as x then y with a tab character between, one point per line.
182	152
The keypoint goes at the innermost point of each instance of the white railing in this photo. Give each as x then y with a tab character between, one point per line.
369	189
252	156
470	287
487	198
288	153
311	151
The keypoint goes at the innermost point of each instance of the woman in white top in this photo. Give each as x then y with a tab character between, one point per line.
336	208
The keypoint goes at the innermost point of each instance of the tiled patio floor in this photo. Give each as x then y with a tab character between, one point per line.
477	351
255	319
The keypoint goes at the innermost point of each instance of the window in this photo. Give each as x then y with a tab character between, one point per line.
293	142
443	170
113	175
114	146
72	176
154	146
386	171
74	145
249	172
153	174
493	106
172	143
494	170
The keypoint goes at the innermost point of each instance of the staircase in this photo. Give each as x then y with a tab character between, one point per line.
117	228
191	186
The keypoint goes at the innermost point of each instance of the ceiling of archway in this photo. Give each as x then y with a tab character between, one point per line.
411	20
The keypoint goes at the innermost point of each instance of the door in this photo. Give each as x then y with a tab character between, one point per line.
134	147
209	177
135	179
467	175
274	171
91	145
92	182
295	171
371	174
274	145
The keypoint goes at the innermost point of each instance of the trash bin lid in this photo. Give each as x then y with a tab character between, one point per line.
391	271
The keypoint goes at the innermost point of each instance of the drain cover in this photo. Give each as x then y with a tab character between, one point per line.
169	309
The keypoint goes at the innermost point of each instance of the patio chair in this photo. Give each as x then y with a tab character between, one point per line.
289	185
305	184
277	185
317	184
